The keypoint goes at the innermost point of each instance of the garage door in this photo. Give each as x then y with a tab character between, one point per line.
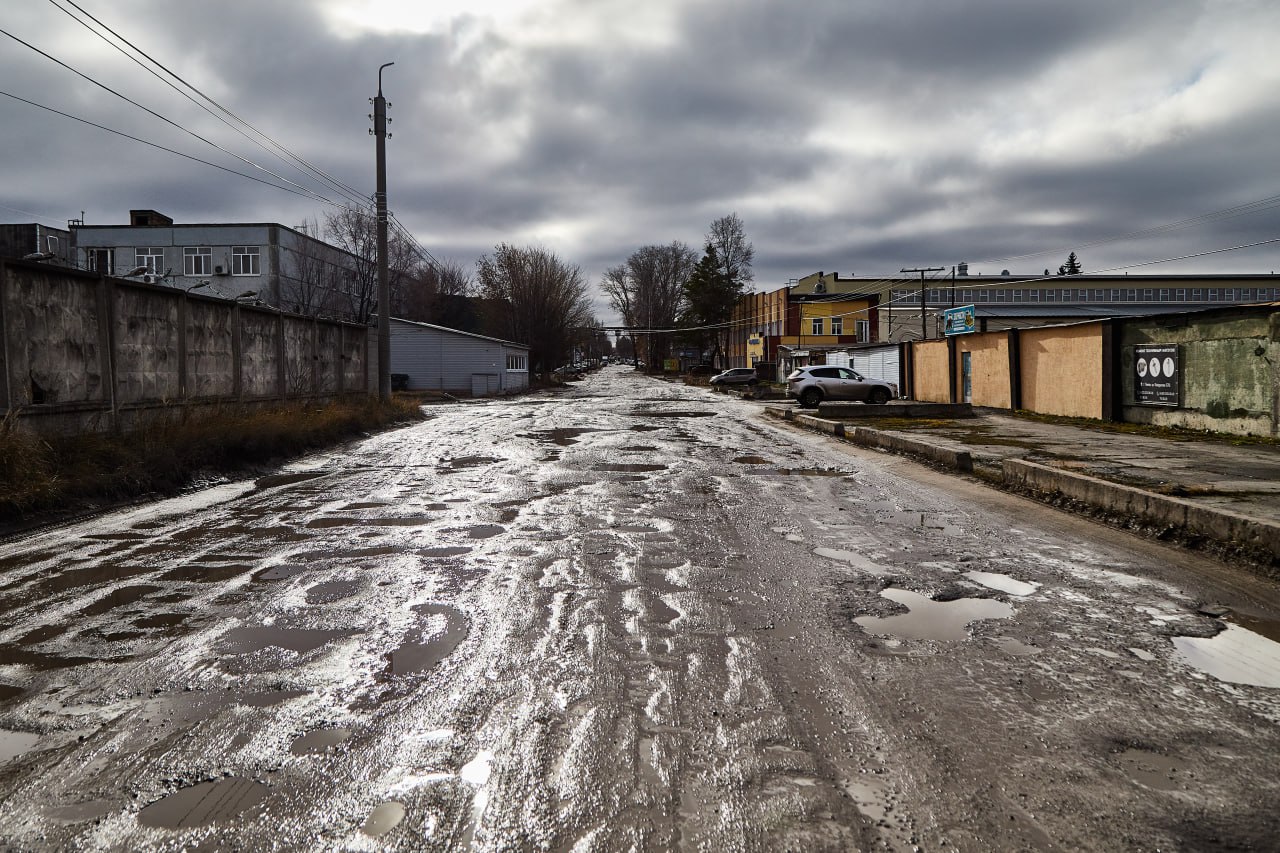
878	364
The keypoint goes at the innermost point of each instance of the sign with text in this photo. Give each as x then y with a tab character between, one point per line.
958	321
1156	375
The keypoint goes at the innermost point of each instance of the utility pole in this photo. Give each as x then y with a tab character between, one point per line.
384	283
924	328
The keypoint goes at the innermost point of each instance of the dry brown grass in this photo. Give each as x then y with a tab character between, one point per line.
41	475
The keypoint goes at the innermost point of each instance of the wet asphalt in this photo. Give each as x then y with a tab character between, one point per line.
631	615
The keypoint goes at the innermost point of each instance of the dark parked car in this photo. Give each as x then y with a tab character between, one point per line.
812	385
736	376
703	370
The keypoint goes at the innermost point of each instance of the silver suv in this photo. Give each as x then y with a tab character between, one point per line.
812	385
736	376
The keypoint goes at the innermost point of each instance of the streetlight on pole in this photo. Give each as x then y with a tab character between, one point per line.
380	200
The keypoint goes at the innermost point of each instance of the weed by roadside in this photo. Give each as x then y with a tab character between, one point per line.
61	473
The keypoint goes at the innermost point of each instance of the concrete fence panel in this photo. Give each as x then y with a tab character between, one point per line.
145	332
55	337
210	357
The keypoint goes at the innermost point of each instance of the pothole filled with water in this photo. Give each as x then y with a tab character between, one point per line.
414	657
1236	655
204	803
927	619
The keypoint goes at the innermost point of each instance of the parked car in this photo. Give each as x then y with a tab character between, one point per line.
703	370
736	376
812	385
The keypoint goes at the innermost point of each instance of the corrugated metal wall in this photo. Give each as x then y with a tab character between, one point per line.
437	359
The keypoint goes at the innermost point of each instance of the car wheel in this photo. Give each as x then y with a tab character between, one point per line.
811	398
878	396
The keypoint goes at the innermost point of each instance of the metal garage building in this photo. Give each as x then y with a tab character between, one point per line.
438	359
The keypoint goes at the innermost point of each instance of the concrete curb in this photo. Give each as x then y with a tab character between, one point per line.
1254	534
1257	537
960	460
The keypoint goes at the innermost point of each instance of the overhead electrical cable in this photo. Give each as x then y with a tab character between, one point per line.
165	119
280	150
306	194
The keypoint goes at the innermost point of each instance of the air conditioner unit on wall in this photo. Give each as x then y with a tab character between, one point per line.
219	270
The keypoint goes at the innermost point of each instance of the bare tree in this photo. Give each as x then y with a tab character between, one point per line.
355	232
648	291
729	239
535	298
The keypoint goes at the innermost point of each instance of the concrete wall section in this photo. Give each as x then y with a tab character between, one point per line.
1062	370
259	354
930	370
75	347
54	339
145	339
211	370
1230	370
988	366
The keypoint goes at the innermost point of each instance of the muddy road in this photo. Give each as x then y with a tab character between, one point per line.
634	615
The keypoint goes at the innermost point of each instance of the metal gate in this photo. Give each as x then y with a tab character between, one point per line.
879	363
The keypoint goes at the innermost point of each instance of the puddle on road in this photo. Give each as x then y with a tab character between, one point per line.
858	561
257	638
39	635
333	521
13	744
89	576
629	468
455	551
204	803
119	598
644	428
801	472
470	462
279	573
331	591
485	531
81	812
1002	583
419	657
639	448
564	436
401	521
199	573
10	691
751	460
162	620
42	662
384	818
927	619
319	741
1236	655
1159	772
286	479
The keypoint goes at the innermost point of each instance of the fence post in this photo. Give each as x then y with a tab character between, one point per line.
5	363
282	379
1111	381
951	369
1015	370
107	344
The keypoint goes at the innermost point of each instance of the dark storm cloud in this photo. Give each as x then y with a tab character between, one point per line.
854	136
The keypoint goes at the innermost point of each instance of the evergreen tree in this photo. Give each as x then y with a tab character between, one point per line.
1072	266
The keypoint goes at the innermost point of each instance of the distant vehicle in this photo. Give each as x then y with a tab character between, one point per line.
702	370
736	376
812	385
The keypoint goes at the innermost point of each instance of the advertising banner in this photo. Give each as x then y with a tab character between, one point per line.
1156	375
958	321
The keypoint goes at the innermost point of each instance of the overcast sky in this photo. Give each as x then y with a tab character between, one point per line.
858	136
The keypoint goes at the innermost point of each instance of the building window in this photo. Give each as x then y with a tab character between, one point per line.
815	326
1180	295
863	330
1197	294
151	257
102	260
244	260
515	362
197	260
51	244
837	325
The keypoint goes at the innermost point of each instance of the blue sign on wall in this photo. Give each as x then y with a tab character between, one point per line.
958	321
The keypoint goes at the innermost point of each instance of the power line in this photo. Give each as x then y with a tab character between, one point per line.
345	189
305	194
165	119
